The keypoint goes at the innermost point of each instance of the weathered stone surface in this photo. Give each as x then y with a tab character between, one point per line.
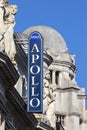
7	24
53	41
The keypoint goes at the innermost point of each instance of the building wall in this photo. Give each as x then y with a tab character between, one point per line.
63	102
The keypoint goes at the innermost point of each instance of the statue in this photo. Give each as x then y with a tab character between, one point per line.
7	24
48	101
9	20
46	90
2	26
10	11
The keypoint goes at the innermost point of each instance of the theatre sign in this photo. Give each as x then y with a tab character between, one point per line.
35	72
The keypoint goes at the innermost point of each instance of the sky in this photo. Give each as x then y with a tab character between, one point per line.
68	17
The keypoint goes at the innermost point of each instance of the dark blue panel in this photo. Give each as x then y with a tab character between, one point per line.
35	72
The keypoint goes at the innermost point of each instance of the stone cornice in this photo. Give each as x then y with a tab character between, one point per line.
12	99
63	64
81	96
68	89
14	102
74	114
7	70
21	108
48	59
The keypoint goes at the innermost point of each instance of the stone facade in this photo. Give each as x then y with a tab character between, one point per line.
63	100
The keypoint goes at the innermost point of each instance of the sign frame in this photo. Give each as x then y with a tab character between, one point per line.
35	45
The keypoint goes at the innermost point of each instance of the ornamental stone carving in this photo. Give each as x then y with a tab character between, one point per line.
7	24
10	11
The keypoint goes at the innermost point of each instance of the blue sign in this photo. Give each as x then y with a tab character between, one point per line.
35	72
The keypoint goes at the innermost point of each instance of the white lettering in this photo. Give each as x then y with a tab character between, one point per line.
35	48
34	57
33	81
33	92
35	69
32	101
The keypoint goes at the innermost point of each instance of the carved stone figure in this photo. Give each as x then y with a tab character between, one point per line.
1	3
46	90
7	24
10	11
48	102
2	26
9	20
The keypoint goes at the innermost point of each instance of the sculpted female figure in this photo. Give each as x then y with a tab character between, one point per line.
10	22
7	24
46	90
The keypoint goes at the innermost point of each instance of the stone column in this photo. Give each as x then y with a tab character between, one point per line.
51	114
72	122
64	79
53	77
73	101
58	101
